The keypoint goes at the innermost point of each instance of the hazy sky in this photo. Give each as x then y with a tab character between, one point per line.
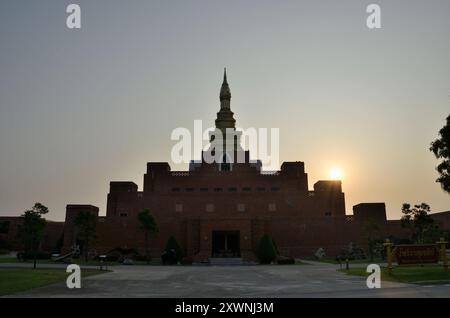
81	108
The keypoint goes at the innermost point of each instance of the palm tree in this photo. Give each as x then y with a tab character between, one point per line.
148	225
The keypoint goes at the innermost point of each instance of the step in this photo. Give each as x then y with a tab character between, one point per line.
226	261
156	261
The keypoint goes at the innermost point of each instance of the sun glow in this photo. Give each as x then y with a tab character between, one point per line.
336	173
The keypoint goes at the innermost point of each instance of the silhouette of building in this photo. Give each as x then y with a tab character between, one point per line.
222	209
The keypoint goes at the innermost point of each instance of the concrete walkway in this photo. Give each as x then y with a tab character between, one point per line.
314	280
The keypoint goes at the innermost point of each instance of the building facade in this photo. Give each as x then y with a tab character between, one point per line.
222	209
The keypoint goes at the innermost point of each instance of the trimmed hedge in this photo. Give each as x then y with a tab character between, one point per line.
266	252
173	253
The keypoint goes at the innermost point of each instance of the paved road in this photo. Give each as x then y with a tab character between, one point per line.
317	280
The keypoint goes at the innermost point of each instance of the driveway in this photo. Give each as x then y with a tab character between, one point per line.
314	280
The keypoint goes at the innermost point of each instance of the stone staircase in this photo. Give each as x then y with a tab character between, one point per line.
156	261
226	261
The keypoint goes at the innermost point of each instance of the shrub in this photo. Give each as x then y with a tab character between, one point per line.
265	251
113	256
30	255
3	251
118	254
173	253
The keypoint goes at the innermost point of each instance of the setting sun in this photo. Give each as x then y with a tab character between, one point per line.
336	173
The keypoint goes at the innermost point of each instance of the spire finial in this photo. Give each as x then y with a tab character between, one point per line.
225	93
225	115
225	75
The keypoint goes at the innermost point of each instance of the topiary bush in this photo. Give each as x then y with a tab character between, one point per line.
173	253
266	252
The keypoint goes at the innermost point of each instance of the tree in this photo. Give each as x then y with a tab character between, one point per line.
265	251
86	225
372	230
441	149
31	231
433	233
150	228
417	220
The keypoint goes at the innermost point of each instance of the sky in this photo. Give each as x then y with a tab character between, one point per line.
81	108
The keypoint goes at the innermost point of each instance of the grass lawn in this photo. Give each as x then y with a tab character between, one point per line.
7	259
409	274
16	280
12	259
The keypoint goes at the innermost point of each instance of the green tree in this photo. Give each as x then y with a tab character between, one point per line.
150	228
417	220
86	225
265	251
433	233
31	231
441	149
372	230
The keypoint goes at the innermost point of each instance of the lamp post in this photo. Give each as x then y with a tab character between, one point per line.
389	245
442	243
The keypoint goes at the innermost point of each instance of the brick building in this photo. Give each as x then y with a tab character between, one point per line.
222	209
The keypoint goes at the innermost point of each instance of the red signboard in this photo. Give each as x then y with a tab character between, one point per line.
416	254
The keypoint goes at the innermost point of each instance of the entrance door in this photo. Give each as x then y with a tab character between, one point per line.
226	244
